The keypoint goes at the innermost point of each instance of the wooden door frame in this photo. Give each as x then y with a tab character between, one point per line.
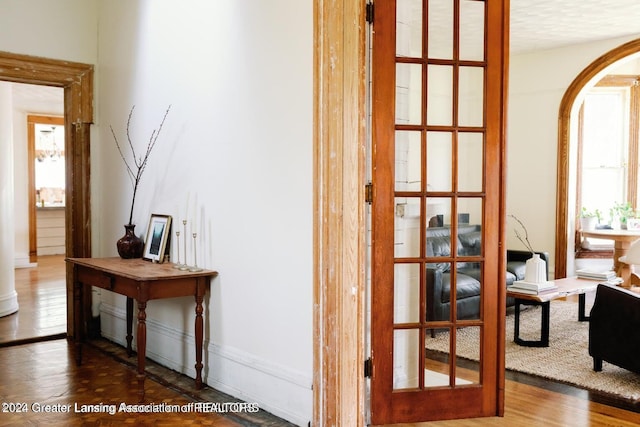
339	212
76	79
564	145
32	120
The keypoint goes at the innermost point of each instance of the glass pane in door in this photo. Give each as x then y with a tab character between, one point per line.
406	293
470	161
439	161
437	358
407	227
409	28
439	95
406	360
440	29
472	25
408	160
471	96
408	94
468	355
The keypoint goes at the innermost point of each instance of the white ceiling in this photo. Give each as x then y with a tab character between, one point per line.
545	24
535	24
38	99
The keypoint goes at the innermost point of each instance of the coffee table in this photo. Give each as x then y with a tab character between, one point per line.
566	287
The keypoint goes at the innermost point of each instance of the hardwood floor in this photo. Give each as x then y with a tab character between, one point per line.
42	303
45	373
101	383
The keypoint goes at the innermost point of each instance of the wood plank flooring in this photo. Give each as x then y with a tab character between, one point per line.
45	372
39	374
42	303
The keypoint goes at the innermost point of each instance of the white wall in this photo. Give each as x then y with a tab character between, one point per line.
61	29
537	83
237	145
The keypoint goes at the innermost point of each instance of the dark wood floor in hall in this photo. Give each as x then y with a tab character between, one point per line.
45	373
39	369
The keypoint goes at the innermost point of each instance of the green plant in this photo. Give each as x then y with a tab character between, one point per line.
586	213
622	211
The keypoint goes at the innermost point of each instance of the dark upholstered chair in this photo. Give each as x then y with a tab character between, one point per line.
614	328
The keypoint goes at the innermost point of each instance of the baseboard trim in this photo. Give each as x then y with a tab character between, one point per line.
277	389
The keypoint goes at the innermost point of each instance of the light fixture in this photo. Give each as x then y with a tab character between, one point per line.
48	145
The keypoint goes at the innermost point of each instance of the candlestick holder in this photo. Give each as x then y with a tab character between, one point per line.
195	255
185	266
178	264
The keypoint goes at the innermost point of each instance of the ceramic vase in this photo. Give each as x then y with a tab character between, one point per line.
535	270
130	245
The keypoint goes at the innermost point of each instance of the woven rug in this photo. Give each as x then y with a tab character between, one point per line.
566	359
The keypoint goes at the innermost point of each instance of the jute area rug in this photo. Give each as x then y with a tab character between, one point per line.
566	359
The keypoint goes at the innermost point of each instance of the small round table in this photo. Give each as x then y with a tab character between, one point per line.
622	241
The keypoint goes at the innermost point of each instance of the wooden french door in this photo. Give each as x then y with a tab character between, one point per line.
438	118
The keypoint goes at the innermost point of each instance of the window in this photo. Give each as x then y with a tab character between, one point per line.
608	151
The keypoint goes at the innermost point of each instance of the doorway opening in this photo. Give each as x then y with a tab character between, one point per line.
76	82
39	212
567	223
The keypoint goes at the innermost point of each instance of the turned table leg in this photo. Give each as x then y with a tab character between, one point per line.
199	332
129	325
77	317
142	346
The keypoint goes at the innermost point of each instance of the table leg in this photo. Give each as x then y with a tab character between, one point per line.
582	317
544	333
516	322
129	325
77	319
142	347
199	328
544	324
622	269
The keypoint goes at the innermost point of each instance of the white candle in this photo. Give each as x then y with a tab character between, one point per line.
186	211
194	220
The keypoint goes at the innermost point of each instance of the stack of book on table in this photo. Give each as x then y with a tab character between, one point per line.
533	288
604	276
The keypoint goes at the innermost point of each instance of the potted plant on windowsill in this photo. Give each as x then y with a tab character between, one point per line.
620	212
589	219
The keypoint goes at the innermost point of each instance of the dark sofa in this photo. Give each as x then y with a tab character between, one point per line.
438	275
614	328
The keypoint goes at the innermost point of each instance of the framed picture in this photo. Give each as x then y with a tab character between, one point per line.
158	235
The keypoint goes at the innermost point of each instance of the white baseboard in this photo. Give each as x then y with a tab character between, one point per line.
8	303
277	389
22	262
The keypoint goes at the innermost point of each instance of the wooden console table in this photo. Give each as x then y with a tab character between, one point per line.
143	281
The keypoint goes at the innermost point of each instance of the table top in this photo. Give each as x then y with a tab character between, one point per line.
629	235
139	269
567	286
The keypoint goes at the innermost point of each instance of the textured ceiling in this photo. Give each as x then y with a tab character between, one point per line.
545	24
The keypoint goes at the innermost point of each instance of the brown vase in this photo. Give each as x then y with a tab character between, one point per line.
130	245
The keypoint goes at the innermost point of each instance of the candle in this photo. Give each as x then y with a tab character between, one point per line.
186	210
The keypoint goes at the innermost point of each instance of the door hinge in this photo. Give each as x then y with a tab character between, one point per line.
368	368
369	13
368	193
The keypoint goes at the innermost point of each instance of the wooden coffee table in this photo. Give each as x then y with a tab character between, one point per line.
566	287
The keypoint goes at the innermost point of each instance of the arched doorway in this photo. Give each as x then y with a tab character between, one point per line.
77	81
564	221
